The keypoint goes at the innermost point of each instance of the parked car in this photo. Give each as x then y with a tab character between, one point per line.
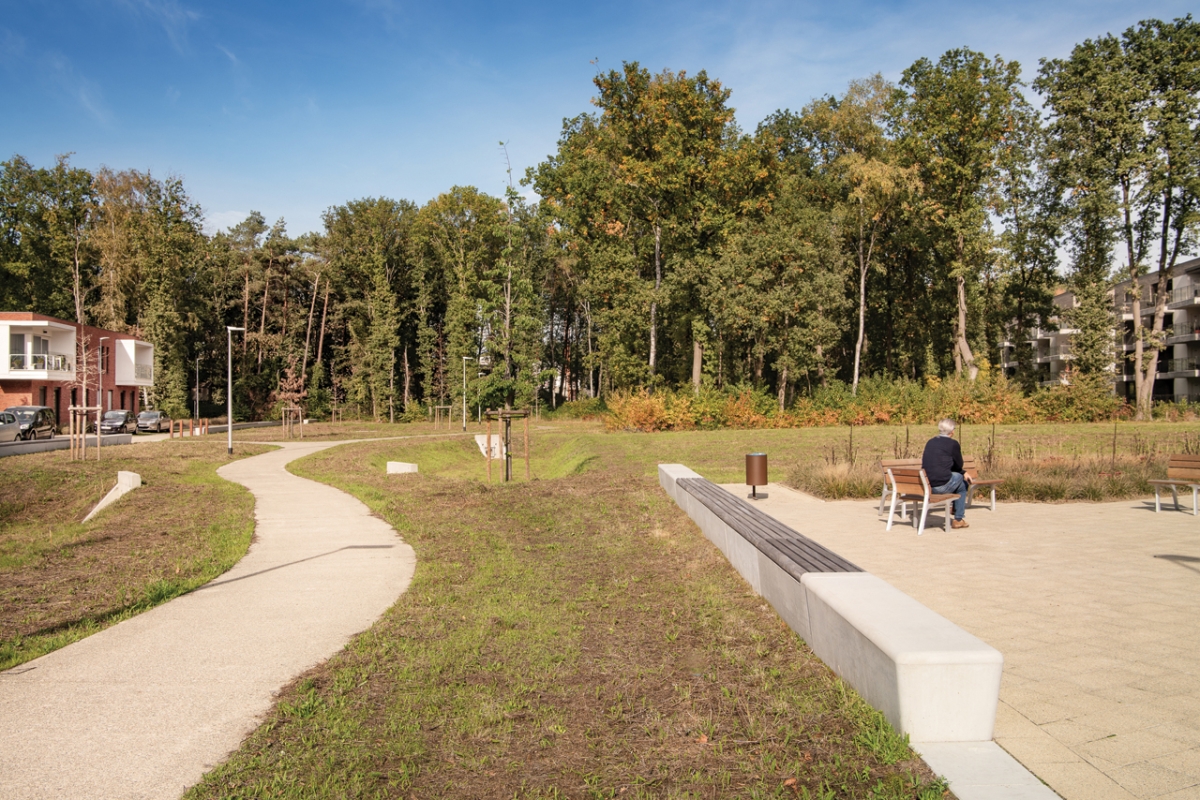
37	422
153	421
10	427
118	422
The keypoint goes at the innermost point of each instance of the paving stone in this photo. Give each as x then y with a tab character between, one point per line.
1099	636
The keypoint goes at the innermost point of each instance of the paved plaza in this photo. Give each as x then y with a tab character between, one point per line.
1096	608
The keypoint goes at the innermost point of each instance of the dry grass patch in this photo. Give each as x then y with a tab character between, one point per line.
61	579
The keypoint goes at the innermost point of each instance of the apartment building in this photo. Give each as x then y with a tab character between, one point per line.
41	364
1178	365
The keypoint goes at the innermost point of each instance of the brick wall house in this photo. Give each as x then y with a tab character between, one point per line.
40	364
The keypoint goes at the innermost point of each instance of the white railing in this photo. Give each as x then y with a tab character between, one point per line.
54	362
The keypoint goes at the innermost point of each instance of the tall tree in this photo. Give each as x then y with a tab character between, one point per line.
862	169
1125	113
954	118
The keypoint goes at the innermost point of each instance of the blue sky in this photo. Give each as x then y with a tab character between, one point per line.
290	108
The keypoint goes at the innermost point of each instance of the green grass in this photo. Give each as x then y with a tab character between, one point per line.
573	636
62	579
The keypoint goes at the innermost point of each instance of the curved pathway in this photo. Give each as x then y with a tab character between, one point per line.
143	709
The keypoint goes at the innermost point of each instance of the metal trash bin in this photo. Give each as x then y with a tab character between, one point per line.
756	473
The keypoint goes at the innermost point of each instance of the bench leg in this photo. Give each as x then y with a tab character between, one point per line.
1157	501
993	498
883	497
891	512
1175	496
924	514
948	514
1196	501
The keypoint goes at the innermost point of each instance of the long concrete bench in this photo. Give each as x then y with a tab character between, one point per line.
931	679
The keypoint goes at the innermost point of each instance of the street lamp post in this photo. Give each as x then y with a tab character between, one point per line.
465	360
229	386
100	380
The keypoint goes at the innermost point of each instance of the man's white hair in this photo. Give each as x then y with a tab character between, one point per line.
946	427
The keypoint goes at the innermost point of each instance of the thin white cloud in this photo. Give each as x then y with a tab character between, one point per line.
222	220
12	46
78	87
233	59
171	15
392	12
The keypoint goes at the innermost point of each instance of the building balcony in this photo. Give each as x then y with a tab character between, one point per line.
40	362
1181	368
1182	338
1183	296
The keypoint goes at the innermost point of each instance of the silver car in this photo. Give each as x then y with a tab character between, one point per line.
10	427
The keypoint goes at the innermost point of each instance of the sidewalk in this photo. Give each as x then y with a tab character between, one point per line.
1096	608
144	708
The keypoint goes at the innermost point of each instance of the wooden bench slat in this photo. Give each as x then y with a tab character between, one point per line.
1183	458
763	529
1180	474
791	550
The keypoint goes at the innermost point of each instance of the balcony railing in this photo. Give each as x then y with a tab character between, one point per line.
1184	294
54	362
1182	365
143	372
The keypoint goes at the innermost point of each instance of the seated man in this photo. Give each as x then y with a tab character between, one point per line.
943	465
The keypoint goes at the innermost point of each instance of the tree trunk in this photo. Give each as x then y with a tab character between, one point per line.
962	351
654	300
697	364
312	307
783	381
862	318
407	379
262	321
245	308
321	337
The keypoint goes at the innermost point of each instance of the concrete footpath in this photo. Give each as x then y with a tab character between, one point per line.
145	708
1096	608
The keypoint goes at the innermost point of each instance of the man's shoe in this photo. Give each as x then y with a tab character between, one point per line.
959	523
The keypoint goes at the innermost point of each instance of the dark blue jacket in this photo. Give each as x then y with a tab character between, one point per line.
942	456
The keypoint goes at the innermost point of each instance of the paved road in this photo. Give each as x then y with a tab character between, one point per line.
1096	608
144	708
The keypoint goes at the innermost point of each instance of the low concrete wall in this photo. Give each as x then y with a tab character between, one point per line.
929	677
239	426
60	443
126	483
400	467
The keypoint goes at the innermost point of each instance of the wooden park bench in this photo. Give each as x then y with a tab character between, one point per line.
1181	471
893	463
911	485
971	471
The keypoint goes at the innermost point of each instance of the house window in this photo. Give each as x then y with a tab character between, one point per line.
16	350
108	405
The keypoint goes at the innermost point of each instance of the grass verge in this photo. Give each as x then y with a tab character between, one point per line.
574	636
62	580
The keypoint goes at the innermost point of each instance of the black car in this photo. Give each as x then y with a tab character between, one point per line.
37	422
117	422
155	421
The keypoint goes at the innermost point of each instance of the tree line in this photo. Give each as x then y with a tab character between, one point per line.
901	230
